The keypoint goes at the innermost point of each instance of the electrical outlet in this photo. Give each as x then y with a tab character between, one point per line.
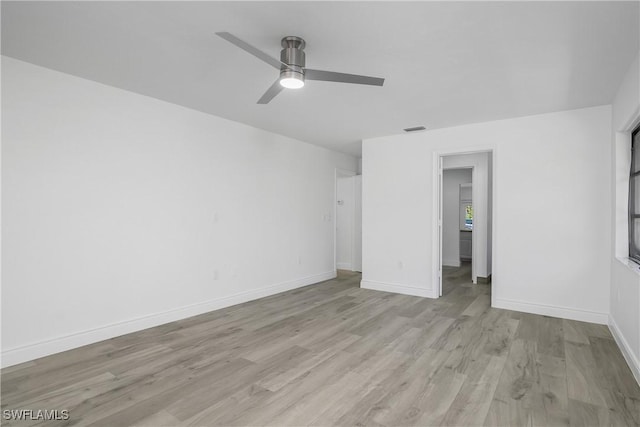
400	265
216	274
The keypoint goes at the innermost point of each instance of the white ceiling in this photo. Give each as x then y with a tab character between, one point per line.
445	64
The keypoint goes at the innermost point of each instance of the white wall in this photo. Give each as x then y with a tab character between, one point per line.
345	210
450	214
624	319
121	212
551	228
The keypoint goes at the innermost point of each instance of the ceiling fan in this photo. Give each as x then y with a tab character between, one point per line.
293	72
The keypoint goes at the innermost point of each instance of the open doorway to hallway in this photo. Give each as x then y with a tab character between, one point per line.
348	225
464	200
457	227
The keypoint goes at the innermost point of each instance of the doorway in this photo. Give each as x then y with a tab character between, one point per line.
464	218
457	227
348	225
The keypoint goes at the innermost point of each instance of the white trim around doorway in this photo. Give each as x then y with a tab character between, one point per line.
437	200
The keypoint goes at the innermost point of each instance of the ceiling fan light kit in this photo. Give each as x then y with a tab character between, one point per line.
293	71
292	58
291	79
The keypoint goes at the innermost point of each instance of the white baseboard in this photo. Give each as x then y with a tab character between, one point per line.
397	288
553	311
451	262
29	352
632	359
343	266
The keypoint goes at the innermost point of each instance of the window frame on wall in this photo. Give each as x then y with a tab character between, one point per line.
634	204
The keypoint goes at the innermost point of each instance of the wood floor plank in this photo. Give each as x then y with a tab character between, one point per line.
383	383
478	306
546	331
159	419
229	408
623	410
582	375
431	407
156	394
433	328
281	377
325	373
532	389
613	372
586	414
551	402
403	403
573	332
195	399
319	402
472	403
380	372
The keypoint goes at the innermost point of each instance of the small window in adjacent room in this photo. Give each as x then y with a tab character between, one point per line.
468	217
634	197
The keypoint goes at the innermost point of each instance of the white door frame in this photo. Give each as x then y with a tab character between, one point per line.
439	221
437	215
339	173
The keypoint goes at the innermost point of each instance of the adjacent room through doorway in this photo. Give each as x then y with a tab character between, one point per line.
457	231
465	200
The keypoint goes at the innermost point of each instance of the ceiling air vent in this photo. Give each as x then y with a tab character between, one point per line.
415	129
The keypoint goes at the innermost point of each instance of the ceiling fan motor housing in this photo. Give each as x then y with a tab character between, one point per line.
293	55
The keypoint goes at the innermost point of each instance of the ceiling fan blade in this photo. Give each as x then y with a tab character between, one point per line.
271	93
250	49
330	76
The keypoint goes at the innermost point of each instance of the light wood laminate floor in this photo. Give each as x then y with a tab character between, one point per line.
335	354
